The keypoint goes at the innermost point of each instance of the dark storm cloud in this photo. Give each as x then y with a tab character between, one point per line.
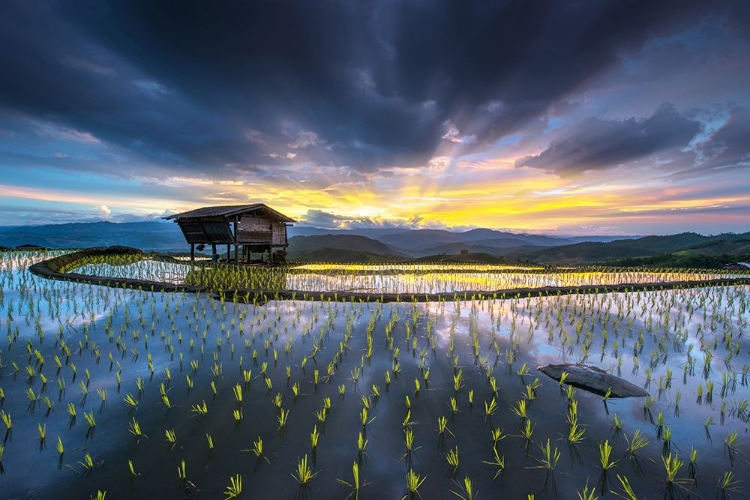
728	147
596	144
202	86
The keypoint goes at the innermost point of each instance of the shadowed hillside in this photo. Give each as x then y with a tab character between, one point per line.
647	250
160	236
339	248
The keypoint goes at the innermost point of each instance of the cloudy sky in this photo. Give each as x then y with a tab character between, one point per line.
569	117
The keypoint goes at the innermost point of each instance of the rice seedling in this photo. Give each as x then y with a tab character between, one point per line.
102	393
458	380
648	402
575	433
356	484
587	493
210	441
257	450
304	473
693	464
550	457
667	440
520	409
605	452
730	446
7	421
709	422
314	438
454	406
627	490
33	398
200	409
637	442
413	482
570	393
530	389
491	407
497	435
282	418
135	429
498	463
453	460
727	484
443	426
182	473
493	385
42	431
87	463
71	408
659	424
527	430
467	489
409	445
361	446
171	437
90	420
131	469
364	417
234	490
672	465
130	401
277	401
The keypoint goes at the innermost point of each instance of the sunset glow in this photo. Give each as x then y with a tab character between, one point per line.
396	121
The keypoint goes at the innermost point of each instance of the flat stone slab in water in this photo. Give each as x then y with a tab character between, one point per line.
594	380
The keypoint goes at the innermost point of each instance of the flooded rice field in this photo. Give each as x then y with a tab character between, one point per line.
175	395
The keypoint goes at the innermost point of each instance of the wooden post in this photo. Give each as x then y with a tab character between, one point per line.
192	253
229	253
233	231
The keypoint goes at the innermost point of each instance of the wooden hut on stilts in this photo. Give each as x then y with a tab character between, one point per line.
250	229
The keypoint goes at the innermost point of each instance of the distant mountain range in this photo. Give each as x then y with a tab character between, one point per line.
159	236
368	245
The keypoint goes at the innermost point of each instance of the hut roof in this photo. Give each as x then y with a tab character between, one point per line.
229	211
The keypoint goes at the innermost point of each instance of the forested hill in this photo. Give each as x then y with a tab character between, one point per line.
686	249
371	245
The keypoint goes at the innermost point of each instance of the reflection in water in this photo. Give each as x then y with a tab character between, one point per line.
387	279
172	352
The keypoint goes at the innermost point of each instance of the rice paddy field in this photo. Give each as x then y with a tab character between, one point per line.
132	393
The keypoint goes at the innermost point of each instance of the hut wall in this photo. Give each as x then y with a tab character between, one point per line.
279	234
254	230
